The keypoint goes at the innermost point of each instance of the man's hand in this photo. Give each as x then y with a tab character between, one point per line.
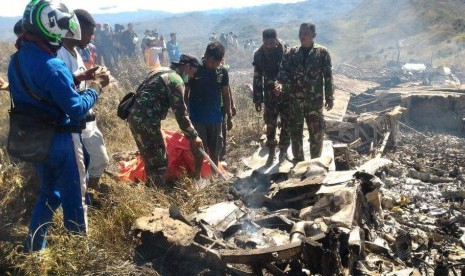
197	143
233	111
278	89
229	124
3	84
329	105
102	76
258	107
86	75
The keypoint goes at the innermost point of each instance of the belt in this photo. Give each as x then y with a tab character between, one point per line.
69	129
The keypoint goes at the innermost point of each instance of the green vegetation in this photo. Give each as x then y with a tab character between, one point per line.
109	249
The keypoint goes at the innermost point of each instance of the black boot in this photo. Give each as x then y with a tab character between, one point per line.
271	156
282	156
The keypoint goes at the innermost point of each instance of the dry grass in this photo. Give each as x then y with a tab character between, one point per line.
109	247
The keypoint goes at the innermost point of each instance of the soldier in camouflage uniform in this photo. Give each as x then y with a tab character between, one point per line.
305	73
267	60
162	89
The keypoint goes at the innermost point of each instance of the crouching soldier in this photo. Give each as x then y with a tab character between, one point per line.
162	89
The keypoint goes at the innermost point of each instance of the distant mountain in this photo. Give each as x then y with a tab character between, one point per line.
250	21
365	32
246	22
126	17
7	23
423	30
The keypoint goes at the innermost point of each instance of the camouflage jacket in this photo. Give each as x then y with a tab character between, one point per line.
310	79
266	69
157	93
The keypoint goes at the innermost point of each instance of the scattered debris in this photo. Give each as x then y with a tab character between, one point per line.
383	199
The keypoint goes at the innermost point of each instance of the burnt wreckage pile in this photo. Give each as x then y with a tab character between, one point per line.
383	199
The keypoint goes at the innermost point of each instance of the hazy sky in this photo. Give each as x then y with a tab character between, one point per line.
16	7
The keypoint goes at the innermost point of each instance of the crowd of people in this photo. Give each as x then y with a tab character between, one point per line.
54	81
109	45
230	41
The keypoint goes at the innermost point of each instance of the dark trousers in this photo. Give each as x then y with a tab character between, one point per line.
224	132
212	139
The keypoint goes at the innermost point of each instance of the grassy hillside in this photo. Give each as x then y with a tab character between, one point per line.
109	249
425	31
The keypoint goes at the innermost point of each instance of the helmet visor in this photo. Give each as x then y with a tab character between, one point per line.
74	29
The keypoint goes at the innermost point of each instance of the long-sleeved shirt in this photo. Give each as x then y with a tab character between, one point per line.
309	74
173	50
266	68
155	96
50	79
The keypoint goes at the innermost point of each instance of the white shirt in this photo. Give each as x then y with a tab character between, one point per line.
76	65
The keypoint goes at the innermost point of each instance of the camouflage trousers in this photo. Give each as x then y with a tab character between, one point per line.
314	118
152	149
273	110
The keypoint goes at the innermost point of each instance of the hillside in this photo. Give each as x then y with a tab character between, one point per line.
357	31
425	31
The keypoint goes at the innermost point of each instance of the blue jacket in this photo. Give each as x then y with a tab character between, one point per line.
50	79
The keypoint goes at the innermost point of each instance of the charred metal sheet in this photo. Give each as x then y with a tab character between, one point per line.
256	256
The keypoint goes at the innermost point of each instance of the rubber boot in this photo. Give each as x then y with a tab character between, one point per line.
271	156
282	155
298	153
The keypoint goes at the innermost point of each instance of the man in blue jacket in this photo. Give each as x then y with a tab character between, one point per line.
63	174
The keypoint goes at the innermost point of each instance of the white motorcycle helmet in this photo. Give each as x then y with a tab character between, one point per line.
52	20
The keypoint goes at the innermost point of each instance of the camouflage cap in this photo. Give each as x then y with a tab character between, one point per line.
189	59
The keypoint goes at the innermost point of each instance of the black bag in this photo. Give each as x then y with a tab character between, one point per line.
125	105
31	135
31	129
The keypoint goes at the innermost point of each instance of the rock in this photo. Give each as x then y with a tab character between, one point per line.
403	245
342	208
357	240
173	230
387	202
374	201
423	176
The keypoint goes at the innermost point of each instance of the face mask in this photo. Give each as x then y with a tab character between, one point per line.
185	77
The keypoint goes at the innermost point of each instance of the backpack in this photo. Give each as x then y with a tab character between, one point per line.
126	104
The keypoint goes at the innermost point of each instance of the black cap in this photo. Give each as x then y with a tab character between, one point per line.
189	59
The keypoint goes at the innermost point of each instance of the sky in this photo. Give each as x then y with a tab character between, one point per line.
16	7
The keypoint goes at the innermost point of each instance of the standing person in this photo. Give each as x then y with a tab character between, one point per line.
118	48
88	55
173	48
143	42
203	95
306	78
161	90
91	136
151	54
266	62
162	45
107	46
98	43
223	39
62	175
224	122
129	40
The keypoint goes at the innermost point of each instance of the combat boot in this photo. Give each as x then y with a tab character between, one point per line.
271	156
282	156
